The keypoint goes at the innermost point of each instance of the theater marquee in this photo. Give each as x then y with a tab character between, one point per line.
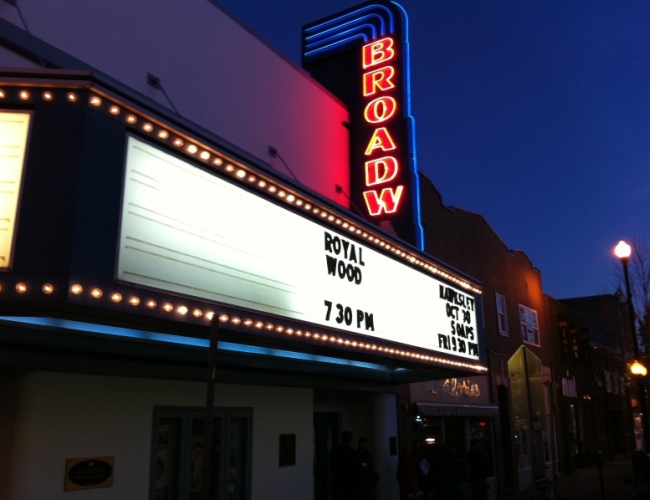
187	231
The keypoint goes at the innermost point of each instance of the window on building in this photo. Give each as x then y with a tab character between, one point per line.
528	323
502	318
178	451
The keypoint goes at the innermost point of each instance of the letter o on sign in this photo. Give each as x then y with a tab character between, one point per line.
380	109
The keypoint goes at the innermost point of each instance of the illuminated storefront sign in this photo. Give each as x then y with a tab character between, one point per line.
361	55
187	231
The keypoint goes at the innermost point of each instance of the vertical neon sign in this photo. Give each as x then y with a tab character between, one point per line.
361	56
378	112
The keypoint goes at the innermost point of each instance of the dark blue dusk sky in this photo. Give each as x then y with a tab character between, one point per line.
533	113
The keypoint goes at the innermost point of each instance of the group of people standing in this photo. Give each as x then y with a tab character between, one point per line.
353	471
438	471
422	474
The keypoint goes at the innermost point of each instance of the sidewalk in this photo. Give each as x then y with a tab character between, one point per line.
587	483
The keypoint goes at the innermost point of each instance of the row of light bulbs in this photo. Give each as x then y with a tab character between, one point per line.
213	159
255	324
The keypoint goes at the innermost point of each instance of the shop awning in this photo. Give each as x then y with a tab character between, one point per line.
446	410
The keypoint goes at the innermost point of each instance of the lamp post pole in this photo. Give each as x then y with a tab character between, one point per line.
623	252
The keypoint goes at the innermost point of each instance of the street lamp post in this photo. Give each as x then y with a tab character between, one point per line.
623	252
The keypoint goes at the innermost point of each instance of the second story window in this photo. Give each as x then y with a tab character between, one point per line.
528	323
502	318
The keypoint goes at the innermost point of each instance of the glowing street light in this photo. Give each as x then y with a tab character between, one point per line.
623	252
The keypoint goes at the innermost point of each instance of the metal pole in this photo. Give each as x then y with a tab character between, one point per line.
637	355
209	410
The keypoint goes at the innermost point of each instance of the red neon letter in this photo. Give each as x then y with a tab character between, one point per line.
380	109
377	52
387	201
381	170
380	139
380	79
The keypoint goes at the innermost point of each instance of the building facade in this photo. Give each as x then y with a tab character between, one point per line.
511	405
188	301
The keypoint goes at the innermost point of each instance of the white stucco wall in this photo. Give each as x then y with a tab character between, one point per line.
216	73
59	416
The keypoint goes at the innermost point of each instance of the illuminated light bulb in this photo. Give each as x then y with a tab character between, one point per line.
324	338
259	325
251	178
151	304
355	343
96	293
114	110
339	222
95	101
163	134
248	322
71	96
47	288
205	155
289	331
147	127
261	184
272	189
210	315
178	142
23	94
192	148
167	307
282	194
131	119
47	95
279	328
21	287
182	310
2	94
345	225
236	320
291	198
134	301
116	297
76	289
299	202
340	341
230	167
307	334
197	313
218	162
270	326
307	206
299	333
241	173
317	335
352	228
323	215
316	210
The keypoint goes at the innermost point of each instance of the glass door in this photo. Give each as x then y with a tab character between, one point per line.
178	455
